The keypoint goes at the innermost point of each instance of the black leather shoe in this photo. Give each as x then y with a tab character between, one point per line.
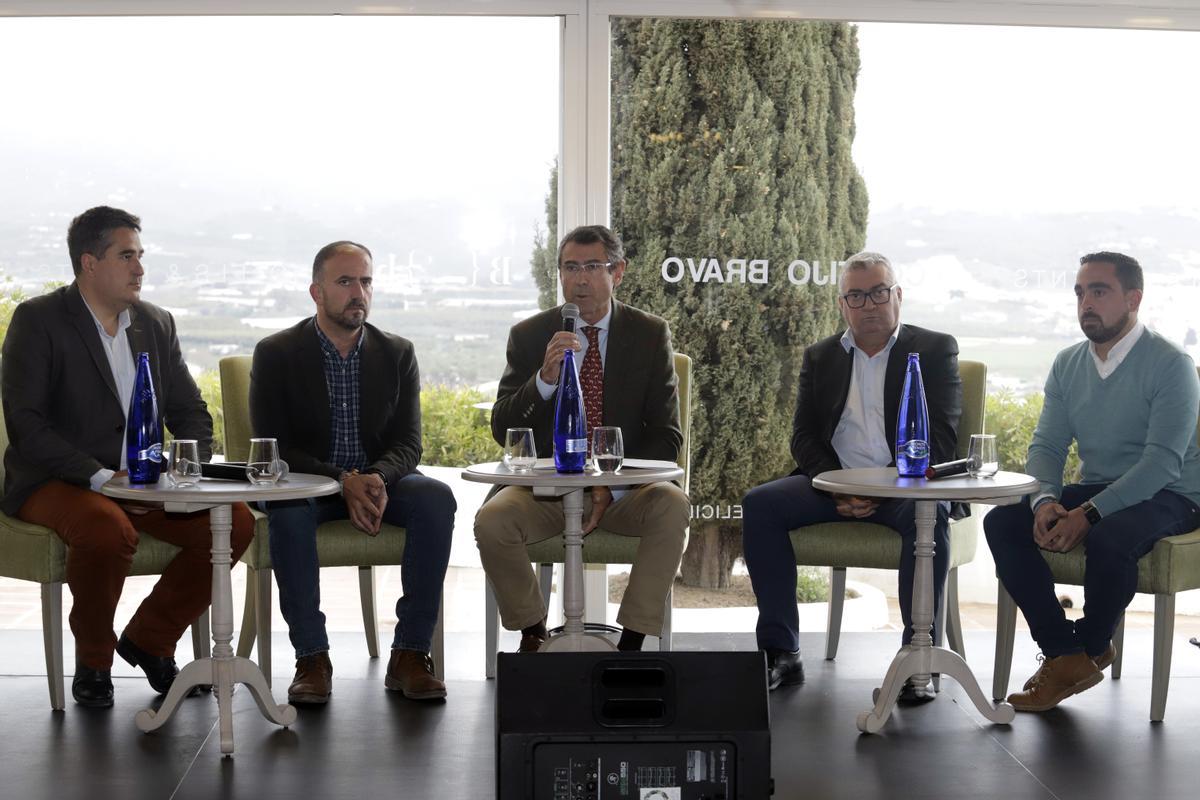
784	669
160	670
914	694
92	688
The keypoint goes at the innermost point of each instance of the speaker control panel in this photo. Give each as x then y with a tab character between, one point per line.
634	771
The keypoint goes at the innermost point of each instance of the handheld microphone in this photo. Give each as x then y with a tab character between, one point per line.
570	313
948	469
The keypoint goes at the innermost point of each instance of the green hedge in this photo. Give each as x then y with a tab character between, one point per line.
1012	419
455	433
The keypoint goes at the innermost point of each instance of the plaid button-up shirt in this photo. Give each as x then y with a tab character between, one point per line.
341	379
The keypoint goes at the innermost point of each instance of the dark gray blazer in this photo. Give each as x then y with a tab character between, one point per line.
61	407
289	400
641	390
825	382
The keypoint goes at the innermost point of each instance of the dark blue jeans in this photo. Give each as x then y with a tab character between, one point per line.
422	505
771	510
1111	552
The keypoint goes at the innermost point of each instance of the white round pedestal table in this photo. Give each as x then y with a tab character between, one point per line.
547	482
920	658
223	669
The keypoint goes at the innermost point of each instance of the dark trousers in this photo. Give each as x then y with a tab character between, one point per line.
771	510
1111	552
423	506
101	540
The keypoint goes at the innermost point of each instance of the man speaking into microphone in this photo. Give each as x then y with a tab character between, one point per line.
627	371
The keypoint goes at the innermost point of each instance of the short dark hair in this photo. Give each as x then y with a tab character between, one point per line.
614	251
91	232
328	251
1129	271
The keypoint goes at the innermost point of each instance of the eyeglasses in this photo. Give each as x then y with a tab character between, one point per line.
880	295
590	267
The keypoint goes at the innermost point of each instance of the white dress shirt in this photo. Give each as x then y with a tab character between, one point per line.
1118	352
860	439
124	371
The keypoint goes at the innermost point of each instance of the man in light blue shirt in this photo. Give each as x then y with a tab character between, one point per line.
1129	398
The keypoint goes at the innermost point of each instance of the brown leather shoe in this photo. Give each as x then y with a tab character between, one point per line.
411	673
314	680
531	643
1105	659
1057	679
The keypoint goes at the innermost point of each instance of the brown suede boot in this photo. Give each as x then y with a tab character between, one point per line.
1057	679
411	674
1103	662
314	680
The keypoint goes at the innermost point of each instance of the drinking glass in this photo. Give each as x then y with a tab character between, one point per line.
608	448
519	452
981	457
183	463
263	467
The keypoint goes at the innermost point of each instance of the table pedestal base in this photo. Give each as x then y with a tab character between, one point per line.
912	660
222	674
223	670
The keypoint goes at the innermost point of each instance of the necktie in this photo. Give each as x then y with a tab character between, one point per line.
591	375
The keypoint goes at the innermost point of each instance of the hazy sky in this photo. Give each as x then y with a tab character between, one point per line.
341	112
1028	119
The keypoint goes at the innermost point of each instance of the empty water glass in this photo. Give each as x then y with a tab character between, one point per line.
608	448
520	455
183	463
263	467
981	456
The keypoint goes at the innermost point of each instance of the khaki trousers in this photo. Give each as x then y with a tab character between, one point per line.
656	513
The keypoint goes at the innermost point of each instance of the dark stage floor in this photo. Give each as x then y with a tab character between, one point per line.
367	743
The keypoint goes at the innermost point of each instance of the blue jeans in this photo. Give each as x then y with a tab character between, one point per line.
771	510
1111	552
423	506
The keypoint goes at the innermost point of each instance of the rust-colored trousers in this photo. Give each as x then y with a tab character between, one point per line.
101	539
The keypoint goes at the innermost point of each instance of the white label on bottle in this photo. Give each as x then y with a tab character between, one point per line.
576	445
153	453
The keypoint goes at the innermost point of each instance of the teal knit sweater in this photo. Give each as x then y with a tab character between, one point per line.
1136	429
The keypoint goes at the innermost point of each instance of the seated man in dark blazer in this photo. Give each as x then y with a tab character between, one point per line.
344	400
846	411
627	370
68	375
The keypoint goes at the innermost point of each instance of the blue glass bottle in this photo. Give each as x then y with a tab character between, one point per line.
570	419
912	424
143	433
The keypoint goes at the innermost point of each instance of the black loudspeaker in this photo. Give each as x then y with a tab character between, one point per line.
632	726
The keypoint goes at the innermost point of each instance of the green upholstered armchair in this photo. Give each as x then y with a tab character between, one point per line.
1172	566
339	543
33	553
839	545
600	546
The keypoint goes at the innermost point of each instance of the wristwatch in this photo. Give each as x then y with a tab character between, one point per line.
1091	512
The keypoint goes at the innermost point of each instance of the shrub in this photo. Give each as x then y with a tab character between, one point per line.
455	433
1012	419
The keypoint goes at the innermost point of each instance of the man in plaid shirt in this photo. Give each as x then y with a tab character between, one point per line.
343	399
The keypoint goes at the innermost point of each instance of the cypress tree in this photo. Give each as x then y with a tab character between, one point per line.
731	140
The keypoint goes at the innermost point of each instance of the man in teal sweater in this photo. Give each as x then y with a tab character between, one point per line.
1130	399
